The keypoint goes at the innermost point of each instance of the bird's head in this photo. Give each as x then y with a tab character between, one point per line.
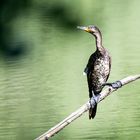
90	29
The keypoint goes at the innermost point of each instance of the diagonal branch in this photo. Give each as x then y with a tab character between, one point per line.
51	132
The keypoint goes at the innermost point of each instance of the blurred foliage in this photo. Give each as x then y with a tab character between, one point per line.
61	15
9	10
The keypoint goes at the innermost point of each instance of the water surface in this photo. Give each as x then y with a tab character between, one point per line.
42	83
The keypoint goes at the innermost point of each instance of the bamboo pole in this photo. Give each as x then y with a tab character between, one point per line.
84	108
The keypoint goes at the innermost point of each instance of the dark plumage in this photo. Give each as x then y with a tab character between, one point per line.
97	69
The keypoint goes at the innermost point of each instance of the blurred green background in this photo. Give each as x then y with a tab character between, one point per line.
43	55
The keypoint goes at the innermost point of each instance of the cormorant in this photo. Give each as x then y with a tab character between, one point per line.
97	69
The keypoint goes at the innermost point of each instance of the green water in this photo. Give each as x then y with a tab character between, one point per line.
43	85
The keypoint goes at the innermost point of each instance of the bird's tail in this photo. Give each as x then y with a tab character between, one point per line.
92	112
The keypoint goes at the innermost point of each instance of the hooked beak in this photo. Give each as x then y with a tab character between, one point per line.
84	28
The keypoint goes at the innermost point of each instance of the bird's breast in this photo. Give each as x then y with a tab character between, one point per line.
100	72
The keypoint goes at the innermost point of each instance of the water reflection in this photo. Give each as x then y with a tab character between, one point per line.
60	15
9	11
46	84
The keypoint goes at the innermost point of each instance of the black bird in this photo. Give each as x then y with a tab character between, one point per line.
97	69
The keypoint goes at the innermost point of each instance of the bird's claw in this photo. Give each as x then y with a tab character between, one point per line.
117	84
94	100
114	85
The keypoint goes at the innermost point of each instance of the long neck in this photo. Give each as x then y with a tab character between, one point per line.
99	45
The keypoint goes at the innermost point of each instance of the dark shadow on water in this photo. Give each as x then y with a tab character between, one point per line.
13	51
61	15
9	10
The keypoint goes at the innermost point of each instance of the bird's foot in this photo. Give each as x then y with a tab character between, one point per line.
114	85
94	100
